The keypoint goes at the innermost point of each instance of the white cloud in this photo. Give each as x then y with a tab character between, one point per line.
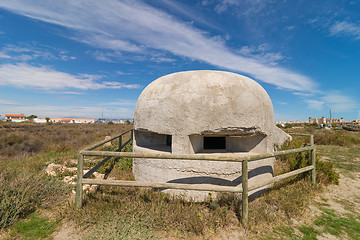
4	55
344	28
25	52
123	73
333	100
117	85
262	54
225	4
315	104
134	26
160	59
6	102
339	102
46	78
119	102
290	28
243	7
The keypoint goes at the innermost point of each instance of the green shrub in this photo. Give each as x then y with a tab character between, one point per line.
297	160
21	195
338	137
324	170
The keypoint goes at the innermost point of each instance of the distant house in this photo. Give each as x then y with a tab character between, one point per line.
71	120
39	120
15	118
83	120
323	120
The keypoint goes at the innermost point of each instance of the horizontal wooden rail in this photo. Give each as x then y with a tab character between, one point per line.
280	177
198	187
195	156
301	134
105	141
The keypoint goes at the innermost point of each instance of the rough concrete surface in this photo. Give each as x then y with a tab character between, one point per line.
194	105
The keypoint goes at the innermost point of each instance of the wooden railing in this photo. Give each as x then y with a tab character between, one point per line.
244	188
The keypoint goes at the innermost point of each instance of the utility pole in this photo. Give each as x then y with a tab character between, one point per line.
330	117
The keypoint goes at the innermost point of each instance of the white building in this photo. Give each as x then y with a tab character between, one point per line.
39	120
15	118
71	120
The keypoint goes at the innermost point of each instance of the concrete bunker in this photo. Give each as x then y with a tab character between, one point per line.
204	112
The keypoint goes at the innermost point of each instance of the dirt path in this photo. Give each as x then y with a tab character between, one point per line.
345	197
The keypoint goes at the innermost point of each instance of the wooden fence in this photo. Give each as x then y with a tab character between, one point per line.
244	188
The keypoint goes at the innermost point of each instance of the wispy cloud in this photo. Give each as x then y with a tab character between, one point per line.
6	102
162	59
336	101
344	28
262	53
25	52
123	73
45	78
4	55
315	104
119	102
339	102
243	7
225	4
134	26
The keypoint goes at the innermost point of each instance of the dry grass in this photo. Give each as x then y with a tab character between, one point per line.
25	149
133	213
330	137
22	140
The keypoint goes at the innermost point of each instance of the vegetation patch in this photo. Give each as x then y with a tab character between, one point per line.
35	228
152	211
336	225
325	172
22	194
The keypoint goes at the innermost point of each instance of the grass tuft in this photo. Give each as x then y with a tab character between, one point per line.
337	225
35	228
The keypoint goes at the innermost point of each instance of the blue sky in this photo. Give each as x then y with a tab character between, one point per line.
74	58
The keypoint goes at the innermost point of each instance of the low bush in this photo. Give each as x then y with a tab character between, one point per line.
336	137
21	195
325	172
330	137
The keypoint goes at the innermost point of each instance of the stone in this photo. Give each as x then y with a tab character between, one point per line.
108	143
207	112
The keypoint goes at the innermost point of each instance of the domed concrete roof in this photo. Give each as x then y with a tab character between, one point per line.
205	102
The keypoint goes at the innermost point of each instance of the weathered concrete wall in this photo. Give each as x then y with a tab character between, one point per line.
194	104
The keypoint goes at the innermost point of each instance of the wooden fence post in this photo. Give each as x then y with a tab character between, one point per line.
245	203
313	160
120	143
79	185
